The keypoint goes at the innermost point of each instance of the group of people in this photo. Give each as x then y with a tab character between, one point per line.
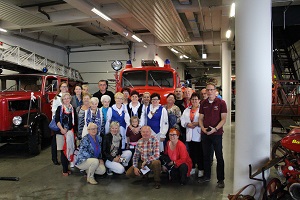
120	133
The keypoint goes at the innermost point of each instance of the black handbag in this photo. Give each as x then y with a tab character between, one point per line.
165	160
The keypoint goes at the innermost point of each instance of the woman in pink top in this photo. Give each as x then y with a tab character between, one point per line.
180	159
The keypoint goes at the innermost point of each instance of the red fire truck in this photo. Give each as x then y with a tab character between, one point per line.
149	77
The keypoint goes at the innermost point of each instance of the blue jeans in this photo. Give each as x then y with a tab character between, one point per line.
216	142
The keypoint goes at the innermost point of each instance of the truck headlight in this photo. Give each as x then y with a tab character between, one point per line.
17	120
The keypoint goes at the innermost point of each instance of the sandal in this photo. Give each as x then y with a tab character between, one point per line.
66	173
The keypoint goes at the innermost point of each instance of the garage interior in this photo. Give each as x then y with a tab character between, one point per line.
70	33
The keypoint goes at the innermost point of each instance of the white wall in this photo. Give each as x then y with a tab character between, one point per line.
94	63
49	52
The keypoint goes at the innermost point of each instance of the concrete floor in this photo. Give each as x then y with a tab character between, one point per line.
40	179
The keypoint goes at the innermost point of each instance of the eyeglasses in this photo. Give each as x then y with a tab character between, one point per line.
194	99
120	98
92	129
102	84
210	89
172	135
154	99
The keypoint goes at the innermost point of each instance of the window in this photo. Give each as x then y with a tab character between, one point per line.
160	78
134	78
51	85
21	83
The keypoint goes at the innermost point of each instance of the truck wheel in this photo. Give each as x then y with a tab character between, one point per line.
35	141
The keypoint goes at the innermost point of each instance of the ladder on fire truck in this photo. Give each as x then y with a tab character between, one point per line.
22	60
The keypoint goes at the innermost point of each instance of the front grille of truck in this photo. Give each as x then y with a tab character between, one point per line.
22	105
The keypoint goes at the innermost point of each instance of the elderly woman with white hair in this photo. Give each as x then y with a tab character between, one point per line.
105	110
92	114
90	156
119	113
115	158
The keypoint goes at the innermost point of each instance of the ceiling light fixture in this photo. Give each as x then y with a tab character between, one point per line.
181	56
232	10
217	67
136	38
185	56
125	32
228	34
145	46
204	55
96	11
174	50
3	30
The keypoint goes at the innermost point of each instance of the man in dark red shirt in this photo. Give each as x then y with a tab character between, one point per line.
213	113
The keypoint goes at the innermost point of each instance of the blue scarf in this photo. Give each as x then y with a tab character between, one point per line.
96	120
95	145
104	112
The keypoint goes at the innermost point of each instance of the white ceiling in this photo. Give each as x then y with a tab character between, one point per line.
189	26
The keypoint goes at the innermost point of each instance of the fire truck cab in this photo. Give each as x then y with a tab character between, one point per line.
149	77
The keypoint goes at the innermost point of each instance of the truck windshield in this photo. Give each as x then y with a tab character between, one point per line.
20	83
160	78
134	78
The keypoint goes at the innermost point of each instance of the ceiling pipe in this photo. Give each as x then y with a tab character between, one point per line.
212	28
286	8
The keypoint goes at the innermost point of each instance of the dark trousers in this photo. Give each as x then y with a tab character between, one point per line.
196	154
54	148
64	162
179	173
216	141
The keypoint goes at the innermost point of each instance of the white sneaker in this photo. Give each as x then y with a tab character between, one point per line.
193	171
92	181
109	172
200	173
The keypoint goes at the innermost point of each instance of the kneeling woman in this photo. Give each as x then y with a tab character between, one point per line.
89	156
115	158
179	156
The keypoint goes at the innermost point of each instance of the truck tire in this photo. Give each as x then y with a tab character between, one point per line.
35	140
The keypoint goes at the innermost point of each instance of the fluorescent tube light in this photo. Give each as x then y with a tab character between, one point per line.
3	30
204	56
136	38
174	50
185	56
96	11
228	34
216	67
232	10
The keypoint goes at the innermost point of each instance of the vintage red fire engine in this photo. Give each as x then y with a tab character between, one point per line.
149	77
25	120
